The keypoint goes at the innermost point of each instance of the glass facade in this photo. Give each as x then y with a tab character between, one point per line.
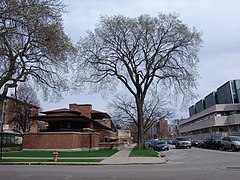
210	100
192	110
224	93
228	93
200	106
236	90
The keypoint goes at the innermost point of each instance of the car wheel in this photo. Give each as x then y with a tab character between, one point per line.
233	148
222	147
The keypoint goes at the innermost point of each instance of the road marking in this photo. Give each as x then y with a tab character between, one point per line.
68	177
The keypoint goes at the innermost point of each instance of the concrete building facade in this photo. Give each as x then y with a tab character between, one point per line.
217	113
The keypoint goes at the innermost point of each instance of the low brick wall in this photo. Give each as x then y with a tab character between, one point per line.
61	140
111	145
106	135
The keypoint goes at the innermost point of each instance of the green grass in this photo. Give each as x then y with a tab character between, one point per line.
97	153
143	153
49	160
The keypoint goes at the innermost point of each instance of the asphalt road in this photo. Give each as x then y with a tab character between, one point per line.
183	164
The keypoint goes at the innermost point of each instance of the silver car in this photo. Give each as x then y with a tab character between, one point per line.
230	142
183	142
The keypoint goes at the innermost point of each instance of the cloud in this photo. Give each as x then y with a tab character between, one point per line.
217	19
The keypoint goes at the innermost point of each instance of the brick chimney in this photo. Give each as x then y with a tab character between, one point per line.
85	109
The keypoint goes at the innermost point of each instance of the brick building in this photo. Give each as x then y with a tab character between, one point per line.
159	130
9	118
78	127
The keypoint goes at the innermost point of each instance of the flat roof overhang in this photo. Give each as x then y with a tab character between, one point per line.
62	118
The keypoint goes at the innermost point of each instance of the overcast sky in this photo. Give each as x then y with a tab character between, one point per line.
218	20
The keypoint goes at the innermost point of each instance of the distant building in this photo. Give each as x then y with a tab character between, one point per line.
159	130
217	113
174	129
10	123
124	136
9	118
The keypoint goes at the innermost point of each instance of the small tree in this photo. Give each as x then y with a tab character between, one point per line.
143	54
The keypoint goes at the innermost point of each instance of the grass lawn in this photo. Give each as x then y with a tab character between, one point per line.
97	153
49	160
143	153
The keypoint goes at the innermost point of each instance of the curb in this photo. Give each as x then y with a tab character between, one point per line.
49	163
78	163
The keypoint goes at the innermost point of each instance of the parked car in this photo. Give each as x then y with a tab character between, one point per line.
231	142
195	142
170	141
213	142
161	146
182	142
201	144
152	143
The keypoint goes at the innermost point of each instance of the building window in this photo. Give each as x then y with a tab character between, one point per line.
206	130
223	129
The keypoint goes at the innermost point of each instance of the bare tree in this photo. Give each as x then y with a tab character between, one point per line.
142	53
124	111
33	45
26	105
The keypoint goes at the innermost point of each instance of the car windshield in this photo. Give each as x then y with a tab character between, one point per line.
217	137
161	142
235	138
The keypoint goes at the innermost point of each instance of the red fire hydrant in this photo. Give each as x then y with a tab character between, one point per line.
55	155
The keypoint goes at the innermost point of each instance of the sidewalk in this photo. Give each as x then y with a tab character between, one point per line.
121	158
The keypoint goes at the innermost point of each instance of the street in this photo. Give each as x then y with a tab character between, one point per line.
182	164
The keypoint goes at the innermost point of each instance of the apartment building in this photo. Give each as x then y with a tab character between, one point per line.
217	113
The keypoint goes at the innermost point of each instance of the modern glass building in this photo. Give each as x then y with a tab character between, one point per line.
217	113
228	93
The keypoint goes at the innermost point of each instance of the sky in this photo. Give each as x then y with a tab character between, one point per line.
218	20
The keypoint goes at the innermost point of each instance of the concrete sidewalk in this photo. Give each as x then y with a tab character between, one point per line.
121	158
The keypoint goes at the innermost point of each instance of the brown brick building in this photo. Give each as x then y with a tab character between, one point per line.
78	127
159	130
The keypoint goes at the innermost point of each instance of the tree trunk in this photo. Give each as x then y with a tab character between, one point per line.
141	144
2	98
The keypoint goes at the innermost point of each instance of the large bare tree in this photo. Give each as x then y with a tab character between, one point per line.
142	53
33	45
